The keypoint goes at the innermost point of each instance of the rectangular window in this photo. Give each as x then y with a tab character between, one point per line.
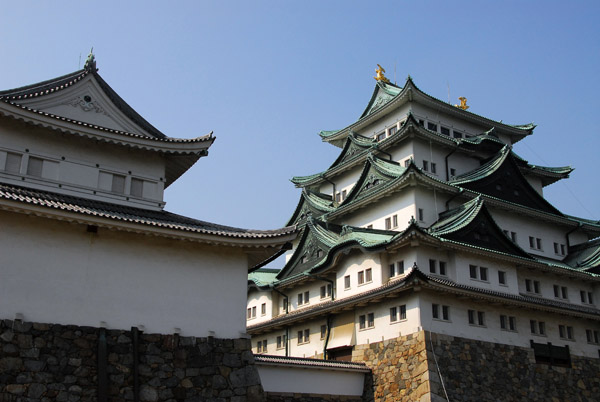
556	248
421	214
279	342
445	130
593	336
457	134
508	323
254	312
537	327
307	335
300	299
403	312
421	122
388	223
393	314
338	197
590	299
433	168
481	318
392	130
513	236
118	184
483	274
566	332
452	172
538	243
369	275
361	277
137	187
442	265
445	312
425	166
306	297
347	282
325	291
249	313
380	136
473	271
344	194
259	347
536	287
323	331
300	337
371	320
531	242
34	166
535	243
532	286
432	266
362	322
263	309
395	221
431	126
502	277
471	315
397	268
562	249
564	292
13	162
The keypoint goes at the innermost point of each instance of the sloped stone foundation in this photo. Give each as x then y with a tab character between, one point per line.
45	362
405	369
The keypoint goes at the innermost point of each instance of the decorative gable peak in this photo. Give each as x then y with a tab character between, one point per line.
90	62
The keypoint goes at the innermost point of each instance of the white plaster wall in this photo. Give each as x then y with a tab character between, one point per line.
400	203
351	266
384	329
526	226
432	153
56	272
462	262
432	202
458	325
277	378
79	162
385	122
344	181
461	163
434	116
256	299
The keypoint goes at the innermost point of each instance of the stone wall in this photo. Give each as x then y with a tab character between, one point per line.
405	369
44	362
289	397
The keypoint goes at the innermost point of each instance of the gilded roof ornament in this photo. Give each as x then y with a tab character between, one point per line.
463	103
380	77
90	62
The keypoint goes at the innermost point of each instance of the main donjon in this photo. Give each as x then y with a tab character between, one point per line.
428	251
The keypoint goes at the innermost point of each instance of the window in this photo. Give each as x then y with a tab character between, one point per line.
263	309
586	297
445	130
566	332
407	163
478	273
251	312
361	277
508	323
300	299
369	275
344	193
561	292
303	336
303	298
388	223
433	168
380	136
457	134
370	227
13	162
535	243
280	341
442	266
432	266
421	122
395	221
323	331
476	318
118	184
452	172
347	282
393	130
445	312
421	214
137	187
396	268
403	312
366	321
431	126
592	336
261	346
559	249
34	166
284	304
532	286
537	327
513	236
425	166
502	277
326	291
393	314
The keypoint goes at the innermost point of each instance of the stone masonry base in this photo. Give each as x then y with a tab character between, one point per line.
45	362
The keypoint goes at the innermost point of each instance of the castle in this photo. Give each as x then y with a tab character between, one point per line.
428	251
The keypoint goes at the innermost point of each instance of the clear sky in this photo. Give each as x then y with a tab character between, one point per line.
267	76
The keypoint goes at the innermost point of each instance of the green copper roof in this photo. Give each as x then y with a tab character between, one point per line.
311	203
382	94
586	255
484	170
263	276
457	218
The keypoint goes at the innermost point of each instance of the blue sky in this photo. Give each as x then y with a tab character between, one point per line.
267	76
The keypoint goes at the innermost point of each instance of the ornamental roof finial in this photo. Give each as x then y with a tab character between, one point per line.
463	103
90	62
380	77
